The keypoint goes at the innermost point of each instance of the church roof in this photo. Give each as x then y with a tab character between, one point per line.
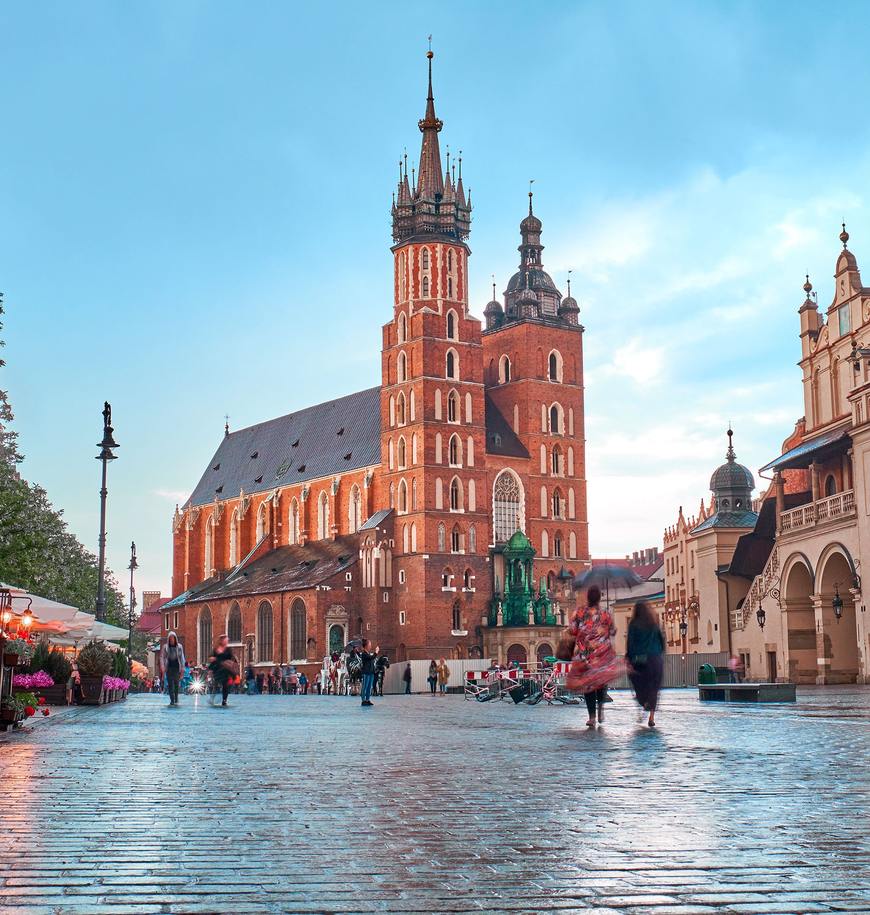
500	437
728	519
320	441
287	568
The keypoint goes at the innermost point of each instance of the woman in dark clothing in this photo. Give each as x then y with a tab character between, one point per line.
645	652
172	665
223	668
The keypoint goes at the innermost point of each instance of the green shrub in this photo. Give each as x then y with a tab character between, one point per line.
120	664
94	660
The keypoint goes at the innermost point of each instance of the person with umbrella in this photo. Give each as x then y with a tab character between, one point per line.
595	662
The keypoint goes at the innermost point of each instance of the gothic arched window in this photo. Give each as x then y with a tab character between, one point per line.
402	328
507	514
451	321
455	539
402	367
452	364
504	370
264	632
205	636
454	451
556	419
455	495
425	287
403	454
234	625
298	631
555	366
294	522
354	510
453	407
403	496
442	538
323	516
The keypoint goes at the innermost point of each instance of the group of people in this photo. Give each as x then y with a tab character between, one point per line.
222	666
594	661
439	674
283	679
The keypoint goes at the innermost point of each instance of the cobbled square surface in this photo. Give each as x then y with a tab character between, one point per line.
421	804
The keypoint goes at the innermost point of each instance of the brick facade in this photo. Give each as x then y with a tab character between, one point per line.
418	579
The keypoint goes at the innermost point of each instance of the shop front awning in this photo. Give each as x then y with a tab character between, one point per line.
813	449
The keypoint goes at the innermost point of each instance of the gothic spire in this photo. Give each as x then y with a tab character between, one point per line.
430	181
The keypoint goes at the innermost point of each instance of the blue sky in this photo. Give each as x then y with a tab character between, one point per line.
195	221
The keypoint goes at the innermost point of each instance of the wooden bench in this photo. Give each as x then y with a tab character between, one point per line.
747	692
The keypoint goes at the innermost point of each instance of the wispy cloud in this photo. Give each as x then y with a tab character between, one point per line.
172	495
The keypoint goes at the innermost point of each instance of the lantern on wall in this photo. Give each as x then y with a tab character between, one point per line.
761	616
837	603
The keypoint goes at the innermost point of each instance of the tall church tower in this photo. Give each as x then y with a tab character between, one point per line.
432	406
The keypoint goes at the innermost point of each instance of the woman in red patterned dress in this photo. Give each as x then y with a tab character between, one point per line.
595	662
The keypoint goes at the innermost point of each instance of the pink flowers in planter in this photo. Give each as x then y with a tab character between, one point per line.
38	680
115	683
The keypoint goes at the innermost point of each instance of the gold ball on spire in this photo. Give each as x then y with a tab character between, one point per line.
844	235
808	286
430	54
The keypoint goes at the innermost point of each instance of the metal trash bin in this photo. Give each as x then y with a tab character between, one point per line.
707	674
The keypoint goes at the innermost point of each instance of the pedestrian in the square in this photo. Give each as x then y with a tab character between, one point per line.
303	684
368	671
595	662
443	676
645	651
432	679
406	676
382	662
223	667
250	680
172	666
318	682
261	682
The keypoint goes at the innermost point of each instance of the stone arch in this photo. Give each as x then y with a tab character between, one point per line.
234	624
508	506
838	638
265	632
796	590
298	629
518	653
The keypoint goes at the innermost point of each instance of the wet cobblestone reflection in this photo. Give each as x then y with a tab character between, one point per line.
309	804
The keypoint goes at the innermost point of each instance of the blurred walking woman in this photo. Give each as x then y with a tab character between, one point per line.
645	651
224	668
172	665
595	662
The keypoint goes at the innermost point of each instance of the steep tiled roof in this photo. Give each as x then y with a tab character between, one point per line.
288	568
500	438
151	620
320	441
728	519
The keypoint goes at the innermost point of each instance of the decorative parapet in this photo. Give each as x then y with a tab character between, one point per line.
767	583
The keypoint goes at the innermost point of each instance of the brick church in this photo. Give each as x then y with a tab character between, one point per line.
440	513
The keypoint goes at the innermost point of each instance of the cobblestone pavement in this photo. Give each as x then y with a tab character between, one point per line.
421	804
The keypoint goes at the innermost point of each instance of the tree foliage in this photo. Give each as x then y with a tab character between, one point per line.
37	551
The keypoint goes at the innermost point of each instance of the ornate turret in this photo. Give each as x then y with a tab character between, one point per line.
732	483
435	206
493	313
531	275
569	309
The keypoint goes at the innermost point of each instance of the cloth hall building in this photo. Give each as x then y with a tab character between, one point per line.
440	513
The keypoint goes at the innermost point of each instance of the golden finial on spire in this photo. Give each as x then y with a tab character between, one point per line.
808	286
844	235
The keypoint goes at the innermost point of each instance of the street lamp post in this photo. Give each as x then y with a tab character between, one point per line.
132	567
105	455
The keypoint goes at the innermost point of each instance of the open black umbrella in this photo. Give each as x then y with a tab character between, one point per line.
605	575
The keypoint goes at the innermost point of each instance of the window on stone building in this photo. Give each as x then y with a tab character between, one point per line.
208	562
298	631
425	287
425	258
205	644
507	499
413	538
447	578
556	419
468	580
323	516
402	328
403	455
354	509
403	497
555	366
472	539
451	317
454	451
504	370
830	485
400	409
557	545
453	407
442	539
558	504
402	367
264	632
556	463
261	521
844	320
234	539
449	287
456	502
455	539
234	625
452	364
457	615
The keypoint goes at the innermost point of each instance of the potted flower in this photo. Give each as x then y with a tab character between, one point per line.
17	707
53	664
94	662
17	651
